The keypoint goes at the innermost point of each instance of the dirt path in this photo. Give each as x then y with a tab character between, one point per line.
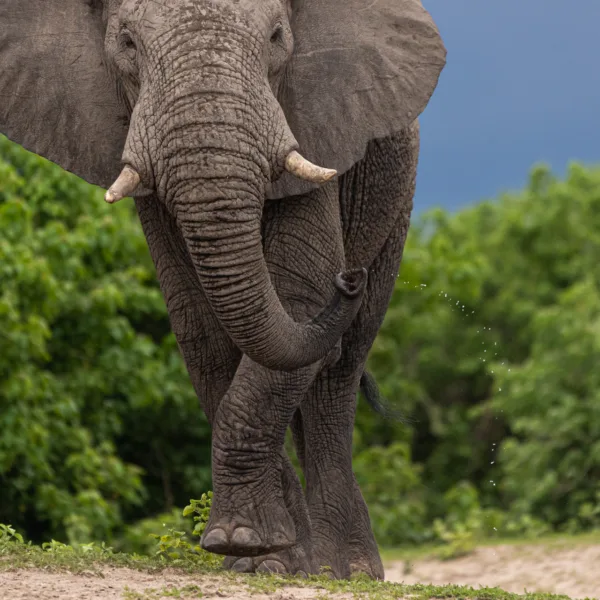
573	570
127	584
570	570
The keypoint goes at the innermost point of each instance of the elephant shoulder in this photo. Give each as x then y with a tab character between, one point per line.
377	191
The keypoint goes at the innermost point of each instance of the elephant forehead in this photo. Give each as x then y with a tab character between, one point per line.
160	14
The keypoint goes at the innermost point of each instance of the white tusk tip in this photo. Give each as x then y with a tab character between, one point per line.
329	174
111	197
297	165
124	186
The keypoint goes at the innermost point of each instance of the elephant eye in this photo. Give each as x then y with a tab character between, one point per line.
126	40
277	34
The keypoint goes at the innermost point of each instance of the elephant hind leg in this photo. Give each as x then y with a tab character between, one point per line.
342	535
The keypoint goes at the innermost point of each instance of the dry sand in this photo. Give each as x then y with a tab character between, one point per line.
572	570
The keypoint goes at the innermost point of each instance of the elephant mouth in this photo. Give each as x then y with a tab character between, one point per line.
129	180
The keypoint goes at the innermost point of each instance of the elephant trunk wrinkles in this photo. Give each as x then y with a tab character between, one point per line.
216	191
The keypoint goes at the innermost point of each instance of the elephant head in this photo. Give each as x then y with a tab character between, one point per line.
206	104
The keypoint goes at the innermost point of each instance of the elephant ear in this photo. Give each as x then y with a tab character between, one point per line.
57	98
361	69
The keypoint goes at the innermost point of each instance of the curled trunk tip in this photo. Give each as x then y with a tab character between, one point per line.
351	283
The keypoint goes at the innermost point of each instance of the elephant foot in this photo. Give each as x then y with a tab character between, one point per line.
363	553
273	530
332	564
371	568
342	561
293	561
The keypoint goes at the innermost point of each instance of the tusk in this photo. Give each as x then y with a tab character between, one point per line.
297	165
125	184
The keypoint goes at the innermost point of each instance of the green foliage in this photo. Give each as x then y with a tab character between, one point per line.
99	424
490	347
395	494
177	545
173	547
140	536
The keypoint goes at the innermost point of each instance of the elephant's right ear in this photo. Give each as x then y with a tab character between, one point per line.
57	98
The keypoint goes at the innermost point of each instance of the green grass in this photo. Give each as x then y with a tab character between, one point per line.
552	540
359	589
91	559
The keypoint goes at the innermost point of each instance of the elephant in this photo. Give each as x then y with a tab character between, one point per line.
270	148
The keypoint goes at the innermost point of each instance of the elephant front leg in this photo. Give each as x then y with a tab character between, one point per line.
342	535
212	360
249	516
296	560
304	251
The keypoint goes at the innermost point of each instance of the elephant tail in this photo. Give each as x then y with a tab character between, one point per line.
371	393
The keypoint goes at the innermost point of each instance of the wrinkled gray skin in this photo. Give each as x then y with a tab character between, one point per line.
263	274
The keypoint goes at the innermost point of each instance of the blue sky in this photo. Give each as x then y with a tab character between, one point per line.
521	85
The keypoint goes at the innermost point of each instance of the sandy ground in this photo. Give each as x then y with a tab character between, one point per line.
574	571
571	570
126	584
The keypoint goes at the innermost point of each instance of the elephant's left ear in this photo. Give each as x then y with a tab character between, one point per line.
361	69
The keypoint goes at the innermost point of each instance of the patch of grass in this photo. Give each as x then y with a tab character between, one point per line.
363	587
91	559
552	540
187	592
359	588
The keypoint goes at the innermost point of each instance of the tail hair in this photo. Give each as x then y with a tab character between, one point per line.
370	390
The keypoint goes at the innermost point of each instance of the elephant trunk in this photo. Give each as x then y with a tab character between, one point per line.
215	146
220	216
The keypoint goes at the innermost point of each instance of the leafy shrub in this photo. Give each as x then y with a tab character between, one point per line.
394	493
99	424
489	348
177	545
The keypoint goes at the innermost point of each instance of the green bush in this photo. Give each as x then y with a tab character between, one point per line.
489	348
99	424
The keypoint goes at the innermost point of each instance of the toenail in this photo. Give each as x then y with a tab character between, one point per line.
244	537
214	541
272	566
243	565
